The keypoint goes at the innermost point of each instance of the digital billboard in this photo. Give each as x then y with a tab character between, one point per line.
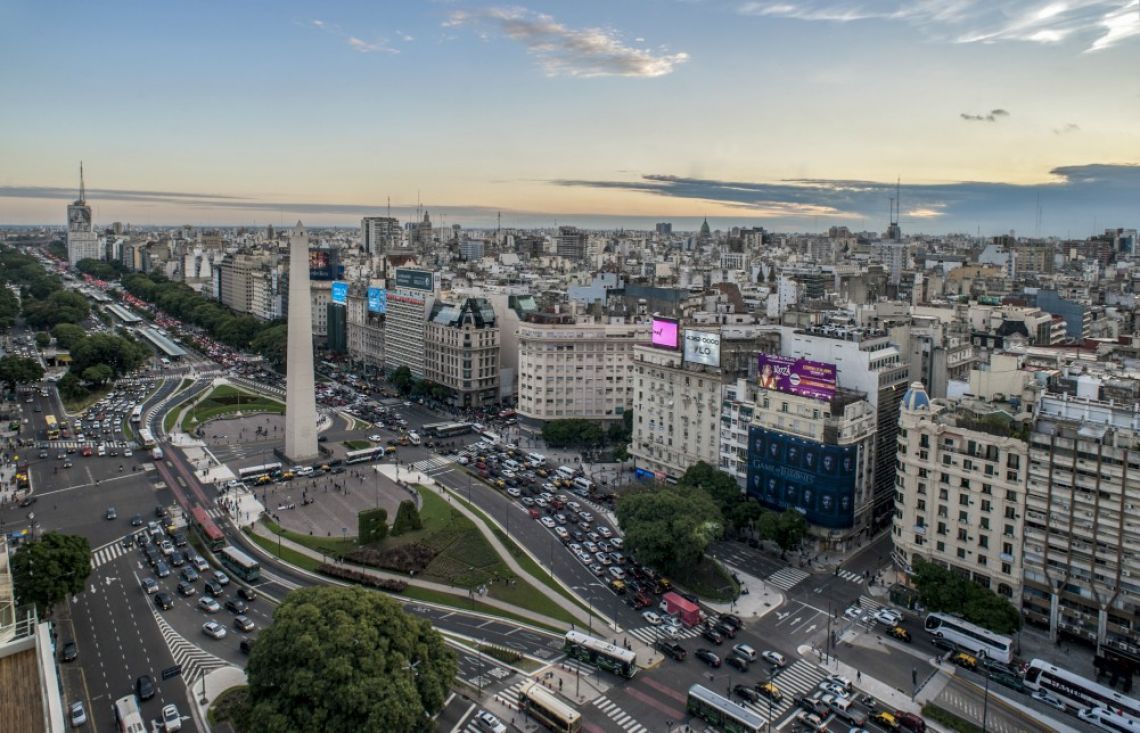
377	300
666	332
702	347
415	279
815	479
797	376
339	292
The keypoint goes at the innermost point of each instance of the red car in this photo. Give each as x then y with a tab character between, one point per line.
86	452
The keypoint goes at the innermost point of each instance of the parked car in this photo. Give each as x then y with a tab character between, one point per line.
69	652
77	714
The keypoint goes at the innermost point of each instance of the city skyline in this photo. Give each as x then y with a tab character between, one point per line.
1015	115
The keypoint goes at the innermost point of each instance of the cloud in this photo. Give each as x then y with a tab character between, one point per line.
564	51
359	44
993	116
1098	24
1068	127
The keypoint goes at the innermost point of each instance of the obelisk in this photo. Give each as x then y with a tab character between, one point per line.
300	391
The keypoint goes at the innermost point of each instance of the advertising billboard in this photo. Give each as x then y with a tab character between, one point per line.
666	332
797	376
702	347
377	300
415	279
815	479
339	292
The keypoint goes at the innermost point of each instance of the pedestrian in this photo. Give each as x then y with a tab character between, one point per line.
858	675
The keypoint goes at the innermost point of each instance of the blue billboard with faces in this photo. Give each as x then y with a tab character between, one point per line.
815	479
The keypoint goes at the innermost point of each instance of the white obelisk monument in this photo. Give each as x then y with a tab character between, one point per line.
300	391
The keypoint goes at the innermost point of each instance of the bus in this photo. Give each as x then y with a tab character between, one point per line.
546	709
1078	692
255	471
446	429
974	639
726	715
365	454
52	427
1108	720
145	438
136	415
600	654
207	530
240	564
128	719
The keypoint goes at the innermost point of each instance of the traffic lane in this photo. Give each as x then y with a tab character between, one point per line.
968	699
81	508
750	560
536	644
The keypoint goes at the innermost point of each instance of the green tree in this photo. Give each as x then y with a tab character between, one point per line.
58	250
17	370
719	485
271	342
98	374
669	527
372	525
68	334
51	568
120	353
407	518
941	589
402	380
9	308
768	525
43	339
791	529
71	387
343	660
62	306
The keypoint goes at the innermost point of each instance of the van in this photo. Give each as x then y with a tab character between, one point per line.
536	459
911	721
566	472
414	437
511	465
584	484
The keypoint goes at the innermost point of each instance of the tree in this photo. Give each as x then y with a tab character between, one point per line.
791	529
372	525
271	342
120	353
67	335
51	568
719	485
669	527
70	387
346	659
43	339
17	370
402	380
58	250
61	306
9	308
941	589
98	374
407	518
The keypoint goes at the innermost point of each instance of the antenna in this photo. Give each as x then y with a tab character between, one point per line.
898	197
389	207
82	187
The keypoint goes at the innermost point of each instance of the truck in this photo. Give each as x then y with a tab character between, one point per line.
156	453
686	610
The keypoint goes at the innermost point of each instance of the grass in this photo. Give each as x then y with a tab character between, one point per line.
285	554
710	581
226	399
169	420
329	545
949	719
82	403
183	385
357	444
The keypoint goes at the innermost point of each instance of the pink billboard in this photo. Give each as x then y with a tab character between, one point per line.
666	333
797	376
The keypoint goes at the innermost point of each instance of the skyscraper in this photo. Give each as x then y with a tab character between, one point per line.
300	391
380	234
82	240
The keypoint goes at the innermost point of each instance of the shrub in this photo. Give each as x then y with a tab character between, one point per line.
391	585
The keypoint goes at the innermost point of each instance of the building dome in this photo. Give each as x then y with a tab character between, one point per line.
916	398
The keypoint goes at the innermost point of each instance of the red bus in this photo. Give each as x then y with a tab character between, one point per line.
208	531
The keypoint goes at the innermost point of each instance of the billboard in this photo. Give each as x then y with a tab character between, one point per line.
377	300
415	279
815	479
339	292
666	332
702	347
797	376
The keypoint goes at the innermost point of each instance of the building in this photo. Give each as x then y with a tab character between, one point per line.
409	305
82	239
471	249
571	243
379	235
462	352
575	370
960	489
365	328
250	283
1081	541
939	353
337	324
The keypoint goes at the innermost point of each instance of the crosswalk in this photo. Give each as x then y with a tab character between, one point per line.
107	553
850	576
795	681
430	464
650	634
787	578
509	696
66	444
621	718
194	660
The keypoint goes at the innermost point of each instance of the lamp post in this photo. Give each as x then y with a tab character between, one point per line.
713	677
986	702
772	686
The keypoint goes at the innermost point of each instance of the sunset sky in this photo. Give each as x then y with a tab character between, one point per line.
789	114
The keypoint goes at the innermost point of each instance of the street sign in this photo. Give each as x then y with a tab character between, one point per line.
172	671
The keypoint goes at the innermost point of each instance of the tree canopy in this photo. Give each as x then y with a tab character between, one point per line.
372	525
17	370
347	660
941	589
68	334
119	353
572	433
9	308
100	269
47	570
407	518
61	306
669	527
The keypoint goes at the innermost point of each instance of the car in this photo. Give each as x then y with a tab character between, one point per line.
150	585
886	719
167	547
603	558
209	604
213	587
489	723
171	718
673	630
726	630
731	619
833	688
746	693
221	577
199	563
188	574
186	588
738	662
774	658
843	682
616	572
713	635
69	652
597	569
652	618
164	601
236	605
671	649
243	623
376	438
1049	699
888	617
246	646
709	657
144	687
514	493
136	520
899	633
68	464
214	630
769	690
77	714
178	558
548	522
247	594
853	613
965	661
128	453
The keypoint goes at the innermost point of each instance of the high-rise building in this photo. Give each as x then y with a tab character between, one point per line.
380	234
664	228
571	243
365	328
300	387
462	352
409	305
82	239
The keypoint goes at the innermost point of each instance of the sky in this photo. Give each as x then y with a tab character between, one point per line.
796	115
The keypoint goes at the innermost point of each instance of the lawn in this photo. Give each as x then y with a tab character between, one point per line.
287	555
226	399
357	444
333	546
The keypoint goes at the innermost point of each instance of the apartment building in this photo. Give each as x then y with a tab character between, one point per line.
379	235
409	305
365	330
250	283
960	489
461	352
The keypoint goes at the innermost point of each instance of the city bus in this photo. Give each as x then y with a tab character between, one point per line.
547	710
974	639
726	715
145	437
240	564
128	719
446	429
255	471
207	530
52	427
600	654
365	454
1078	692
136	415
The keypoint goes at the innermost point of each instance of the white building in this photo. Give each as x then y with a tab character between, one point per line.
379	235
409	305
365	330
82	240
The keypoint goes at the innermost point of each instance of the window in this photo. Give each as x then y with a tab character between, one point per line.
962	534
943	494
941	547
964	516
1013	461
963	500
983	540
1010	495
942	528
982	560
921	505
986	506
962	553
1009	513
1007	548
964	483
946	459
985	522
1006	568
1008	531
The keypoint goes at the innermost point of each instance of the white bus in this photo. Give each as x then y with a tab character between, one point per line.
600	653
128	719
255	471
553	714
136	415
1108	720
1078	692
145	438
974	639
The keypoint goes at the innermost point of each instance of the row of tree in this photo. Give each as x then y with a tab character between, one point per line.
577	433
941	589
408	386
372	524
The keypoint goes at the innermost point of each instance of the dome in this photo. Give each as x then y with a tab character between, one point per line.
916	397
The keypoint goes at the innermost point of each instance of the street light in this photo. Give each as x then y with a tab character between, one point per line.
771	677
713	677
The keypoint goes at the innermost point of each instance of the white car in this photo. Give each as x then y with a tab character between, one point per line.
774	658
208	604
171	718
853	613
513	493
673	630
604	531
376	438
617	542
833	688
1049	699
888	617
214	630
548	522
651	617
463	460
840	680
77	713
489	723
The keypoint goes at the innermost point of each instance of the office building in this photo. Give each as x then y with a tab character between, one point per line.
82	239
379	235
571	243
462	352
409	305
365	329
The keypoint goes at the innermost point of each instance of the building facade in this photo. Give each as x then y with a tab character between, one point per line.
365	330
409	305
462	352
82	239
379	235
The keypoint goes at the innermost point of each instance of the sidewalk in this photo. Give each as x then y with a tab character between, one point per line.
760	600
203	694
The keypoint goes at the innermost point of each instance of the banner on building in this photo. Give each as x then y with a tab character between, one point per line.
797	376
702	347
815	479
377	300
415	279
666	332
339	292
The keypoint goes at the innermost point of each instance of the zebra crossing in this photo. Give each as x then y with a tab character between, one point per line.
795	681
650	634
509	696
107	553
430	464
194	661
77	445
850	576
621	718
787	578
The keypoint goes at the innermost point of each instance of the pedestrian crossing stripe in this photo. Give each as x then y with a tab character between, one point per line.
787	578
650	634
429	464
617	715
94	444
850	576
794	681
107	553
510	695
194	660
